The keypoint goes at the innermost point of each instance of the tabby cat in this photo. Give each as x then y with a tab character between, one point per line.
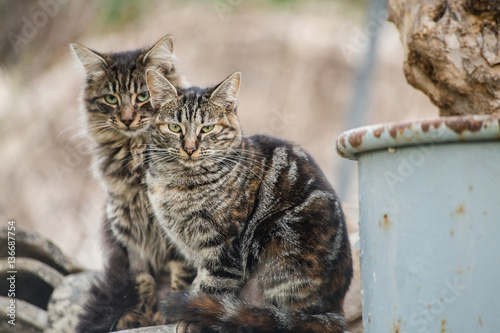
117	113
254	215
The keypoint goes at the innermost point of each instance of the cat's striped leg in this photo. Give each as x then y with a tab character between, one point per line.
222	275
181	275
221	271
300	278
146	312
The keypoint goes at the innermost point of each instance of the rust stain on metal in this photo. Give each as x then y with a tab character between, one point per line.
396	325
398	128
426	124
460	124
480	320
356	138
471	188
377	132
462	270
342	140
452	232
340	152
443	326
384	223
460	210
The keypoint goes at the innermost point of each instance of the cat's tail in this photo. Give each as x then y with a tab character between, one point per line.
231	315
109	297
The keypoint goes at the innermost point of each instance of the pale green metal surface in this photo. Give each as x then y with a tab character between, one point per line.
430	227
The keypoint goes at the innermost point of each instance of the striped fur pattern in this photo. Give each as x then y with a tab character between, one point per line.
254	215
117	113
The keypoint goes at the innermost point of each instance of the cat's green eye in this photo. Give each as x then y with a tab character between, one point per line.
143	96
174	128
206	129
111	99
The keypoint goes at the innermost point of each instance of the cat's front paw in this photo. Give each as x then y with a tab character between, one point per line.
146	312
186	327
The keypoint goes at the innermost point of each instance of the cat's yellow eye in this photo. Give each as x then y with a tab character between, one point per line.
174	128
206	129
111	99
143	96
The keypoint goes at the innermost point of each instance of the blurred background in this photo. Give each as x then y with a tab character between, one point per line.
311	70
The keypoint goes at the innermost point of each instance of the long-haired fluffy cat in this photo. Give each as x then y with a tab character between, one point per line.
117	112
254	215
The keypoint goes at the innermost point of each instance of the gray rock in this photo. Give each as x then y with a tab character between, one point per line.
66	302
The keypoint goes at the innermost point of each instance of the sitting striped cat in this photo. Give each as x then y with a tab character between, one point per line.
254	215
117	112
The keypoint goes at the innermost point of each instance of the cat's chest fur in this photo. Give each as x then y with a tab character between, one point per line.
120	165
198	210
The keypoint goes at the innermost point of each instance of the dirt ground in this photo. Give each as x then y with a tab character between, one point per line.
297	84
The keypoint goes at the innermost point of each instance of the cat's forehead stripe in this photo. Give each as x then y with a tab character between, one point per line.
116	82
131	86
126	80
136	86
130	82
199	117
178	115
192	108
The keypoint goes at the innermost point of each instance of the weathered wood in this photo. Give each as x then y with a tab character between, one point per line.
452	52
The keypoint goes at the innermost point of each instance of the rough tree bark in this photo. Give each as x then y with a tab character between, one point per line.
452	52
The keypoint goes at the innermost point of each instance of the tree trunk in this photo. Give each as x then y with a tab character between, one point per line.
452	52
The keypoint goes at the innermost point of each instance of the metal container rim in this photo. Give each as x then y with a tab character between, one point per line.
351	143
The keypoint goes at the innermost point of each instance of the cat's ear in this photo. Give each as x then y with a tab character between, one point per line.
226	93
92	61
161	90
161	54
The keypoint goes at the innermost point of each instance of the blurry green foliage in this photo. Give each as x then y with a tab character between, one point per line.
112	14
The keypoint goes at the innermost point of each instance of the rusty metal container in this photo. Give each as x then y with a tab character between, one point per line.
429	215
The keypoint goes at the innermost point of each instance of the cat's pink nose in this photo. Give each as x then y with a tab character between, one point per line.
190	150
127	121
